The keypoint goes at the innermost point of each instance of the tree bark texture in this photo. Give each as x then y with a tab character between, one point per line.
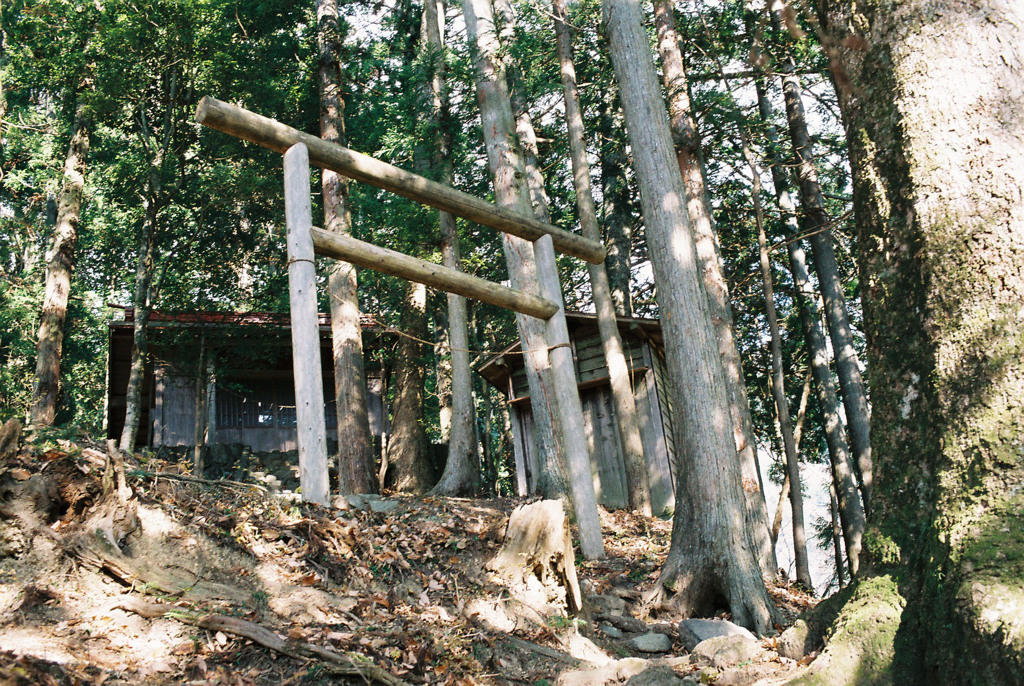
709	559
690	159
355	444
409	468
557	412
199	425
616	208
60	261
851	383
443	374
932	95
618	370
851	511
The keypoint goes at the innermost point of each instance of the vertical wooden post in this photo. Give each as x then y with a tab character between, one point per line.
309	384
574	442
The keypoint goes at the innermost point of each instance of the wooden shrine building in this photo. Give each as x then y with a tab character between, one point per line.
244	361
644	349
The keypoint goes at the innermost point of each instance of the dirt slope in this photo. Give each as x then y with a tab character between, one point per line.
224	583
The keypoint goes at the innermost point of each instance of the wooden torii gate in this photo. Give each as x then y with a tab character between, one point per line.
305	241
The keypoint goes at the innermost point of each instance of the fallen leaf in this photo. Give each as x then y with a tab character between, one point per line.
186	648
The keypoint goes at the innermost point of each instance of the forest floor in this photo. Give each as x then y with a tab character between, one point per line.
225	583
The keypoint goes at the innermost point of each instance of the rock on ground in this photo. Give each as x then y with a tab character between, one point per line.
795	642
726	651
694	631
652	643
656	676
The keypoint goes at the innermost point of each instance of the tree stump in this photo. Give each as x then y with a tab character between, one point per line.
537	551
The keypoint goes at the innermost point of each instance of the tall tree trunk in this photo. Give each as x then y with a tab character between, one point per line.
858	413
636	467
443	374
709	558
931	94
616	208
796	497
142	302
148	275
851	511
778	385
798	430
837	534
355	444
60	261
409	467
462	471
690	159
618	370
558	414
199	423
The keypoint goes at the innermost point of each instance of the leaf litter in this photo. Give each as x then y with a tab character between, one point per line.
395	592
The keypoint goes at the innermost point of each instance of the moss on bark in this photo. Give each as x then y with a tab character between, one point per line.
861	644
936	140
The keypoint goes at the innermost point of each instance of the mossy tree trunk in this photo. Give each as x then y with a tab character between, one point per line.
932	95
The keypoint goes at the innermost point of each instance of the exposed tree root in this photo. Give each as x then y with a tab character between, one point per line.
98	553
861	647
96	541
346	664
220	483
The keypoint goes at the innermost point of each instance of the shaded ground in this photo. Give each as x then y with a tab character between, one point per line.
395	588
